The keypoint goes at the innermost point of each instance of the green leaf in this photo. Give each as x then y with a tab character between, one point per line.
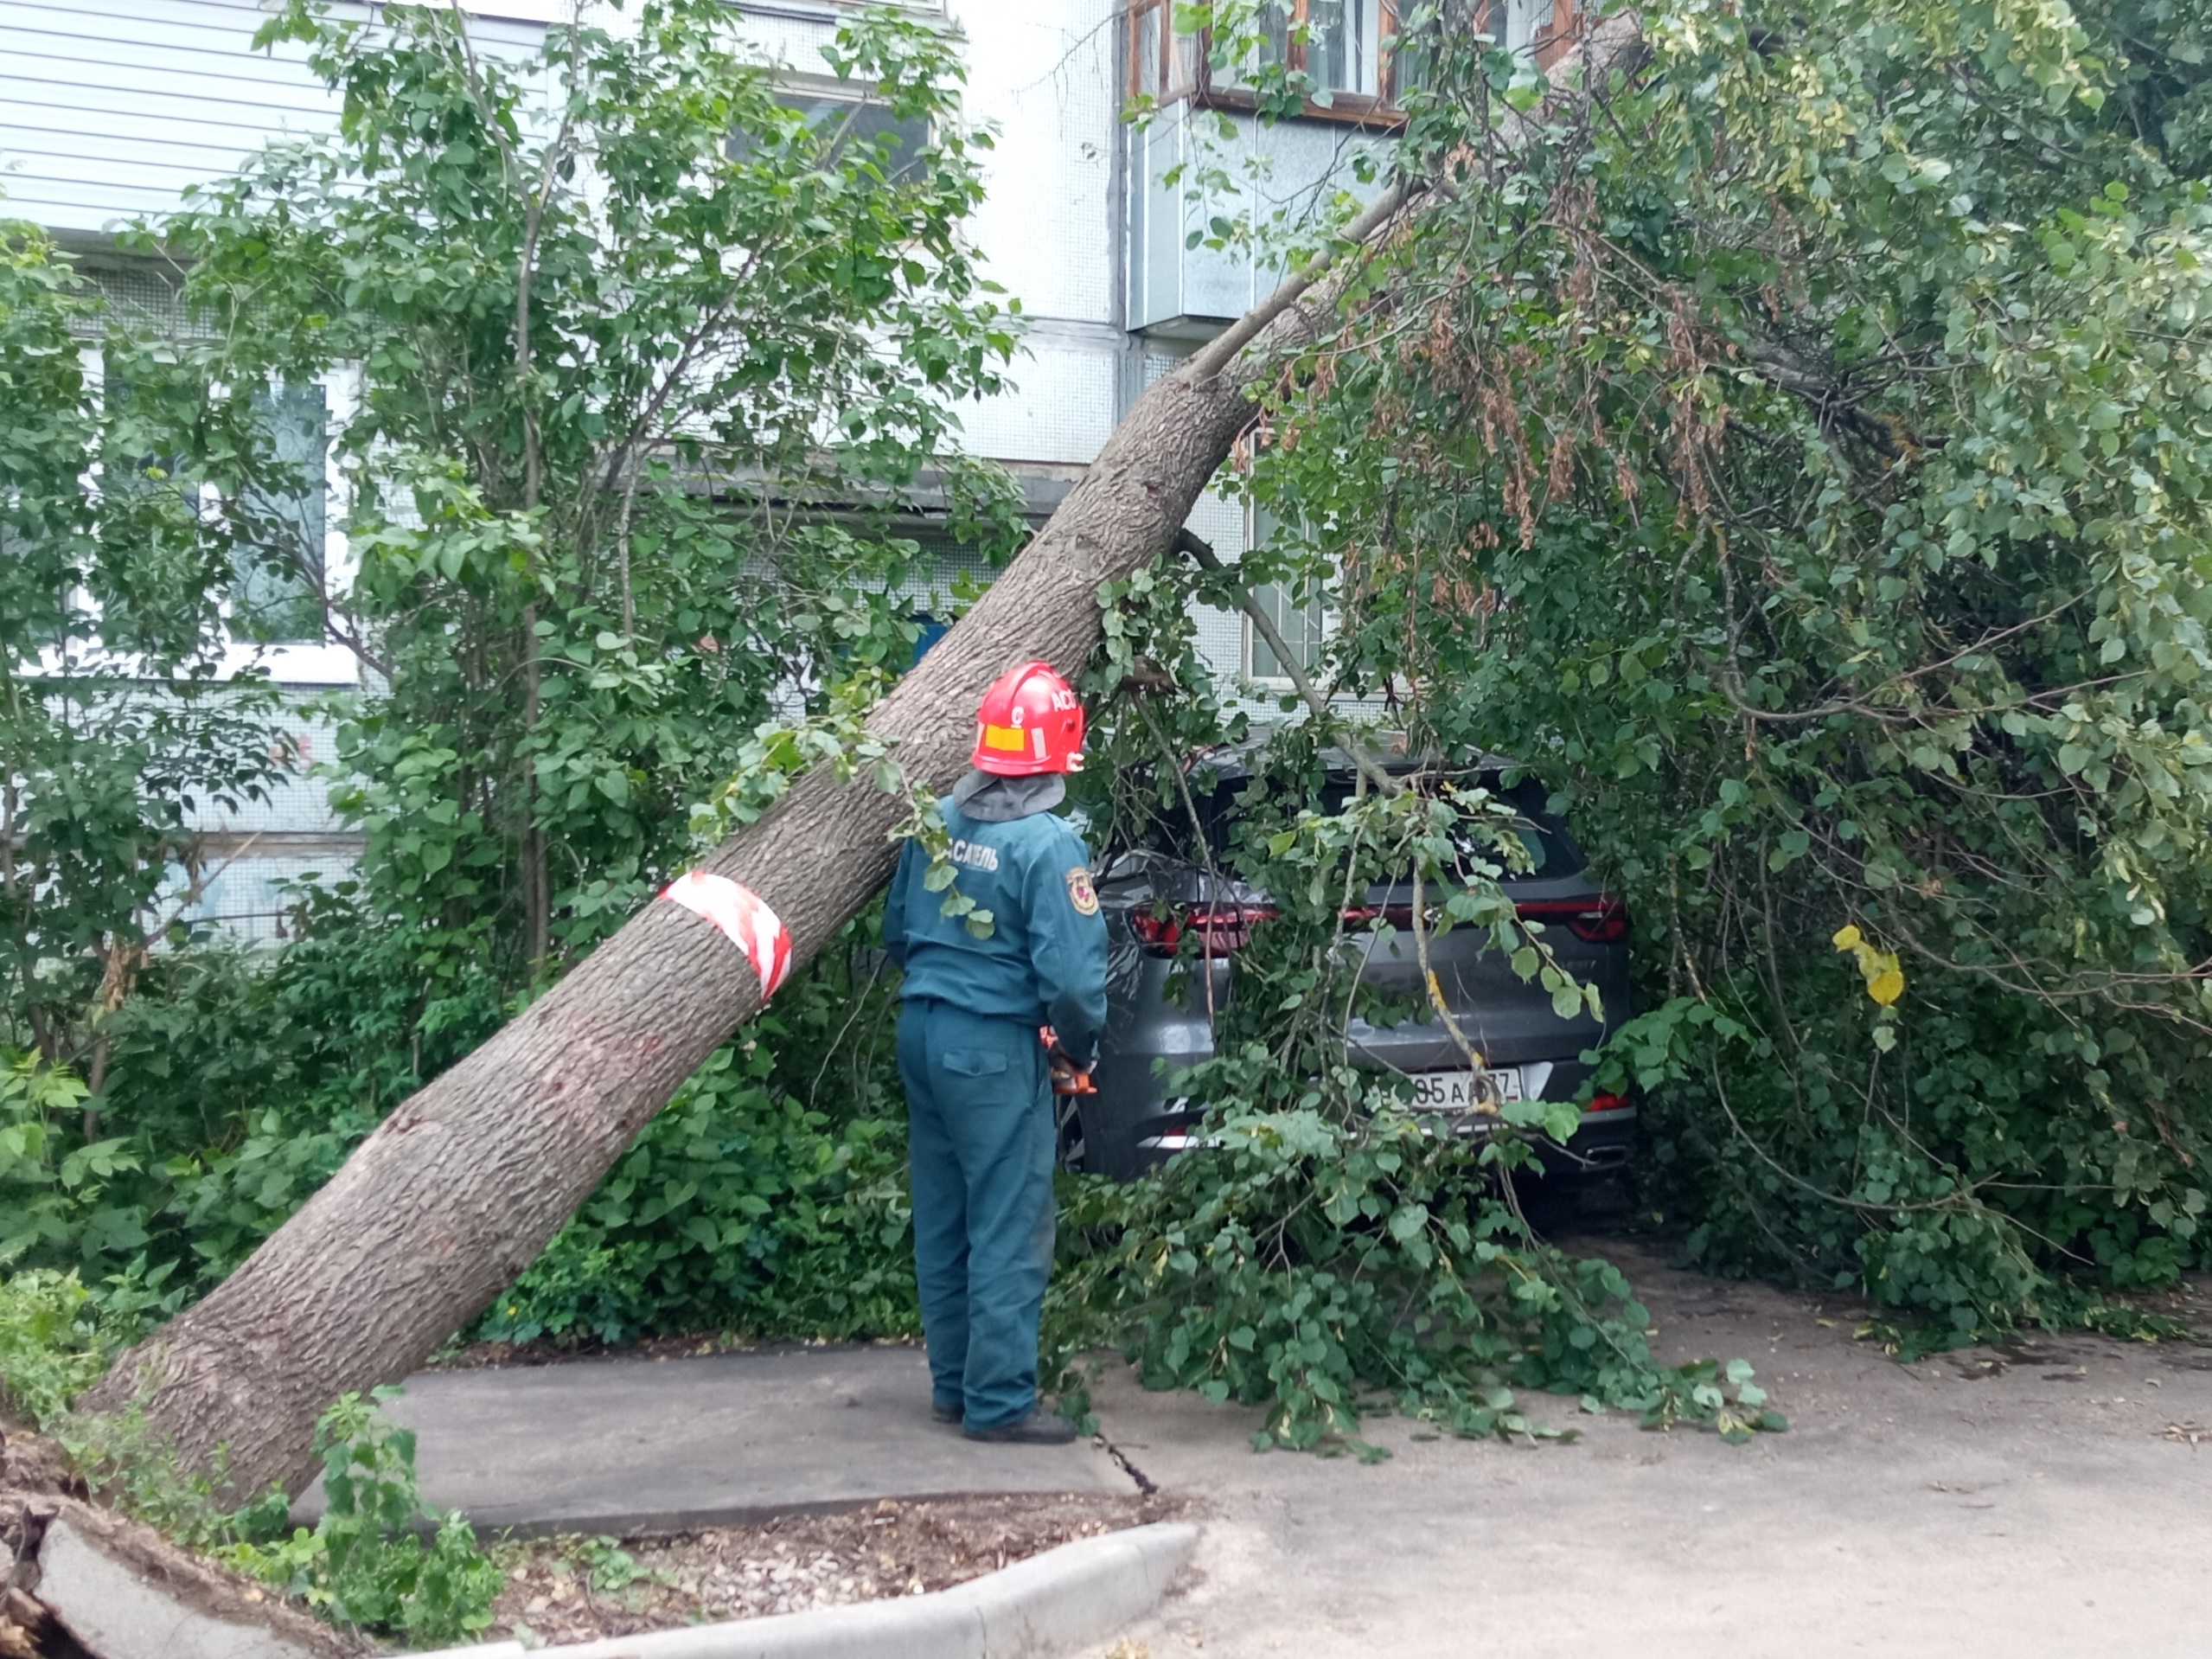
1408	1220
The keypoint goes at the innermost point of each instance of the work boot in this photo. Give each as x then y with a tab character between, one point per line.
1037	1428
945	1413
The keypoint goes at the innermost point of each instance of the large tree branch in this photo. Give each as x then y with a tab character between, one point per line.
465	1183
1836	403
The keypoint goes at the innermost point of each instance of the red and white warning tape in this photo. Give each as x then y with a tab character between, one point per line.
744	916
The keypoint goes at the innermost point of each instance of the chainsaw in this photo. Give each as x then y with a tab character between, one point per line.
1068	1077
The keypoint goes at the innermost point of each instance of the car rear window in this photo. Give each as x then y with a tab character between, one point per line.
1551	850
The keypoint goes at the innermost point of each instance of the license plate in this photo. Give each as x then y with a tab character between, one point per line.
1456	1092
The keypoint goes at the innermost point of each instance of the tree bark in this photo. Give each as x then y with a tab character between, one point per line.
467	1181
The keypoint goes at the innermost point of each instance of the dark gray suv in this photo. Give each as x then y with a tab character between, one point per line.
1171	918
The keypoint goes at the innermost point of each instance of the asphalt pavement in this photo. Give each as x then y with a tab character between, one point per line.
626	1446
2053	1498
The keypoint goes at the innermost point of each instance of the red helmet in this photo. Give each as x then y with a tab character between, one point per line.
1031	722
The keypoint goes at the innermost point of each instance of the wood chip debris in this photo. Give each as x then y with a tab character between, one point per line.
573	1589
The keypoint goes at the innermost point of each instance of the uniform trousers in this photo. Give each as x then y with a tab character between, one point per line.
979	1102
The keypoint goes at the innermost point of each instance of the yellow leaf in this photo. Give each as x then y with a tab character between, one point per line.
1886	986
1847	938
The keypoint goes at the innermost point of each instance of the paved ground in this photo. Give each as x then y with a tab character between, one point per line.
632	1445
2045	1499
2041	1500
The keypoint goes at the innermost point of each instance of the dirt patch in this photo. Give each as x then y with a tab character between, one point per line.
32	1466
38	1490
581	1589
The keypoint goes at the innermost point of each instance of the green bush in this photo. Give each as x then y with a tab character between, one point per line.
770	1197
52	1343
2013	1185
237	1082
364	1565
53	1180
744	1205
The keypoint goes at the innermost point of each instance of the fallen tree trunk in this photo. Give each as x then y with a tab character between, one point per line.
468	1181
465	1183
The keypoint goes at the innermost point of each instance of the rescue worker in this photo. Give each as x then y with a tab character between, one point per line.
978	1075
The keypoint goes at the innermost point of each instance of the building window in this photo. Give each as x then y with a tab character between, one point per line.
1303	623
1338	43
277	575
1343	47
846	116
277	578
1300	626
1349	50
277	555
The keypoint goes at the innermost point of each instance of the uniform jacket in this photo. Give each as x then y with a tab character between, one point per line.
1044	961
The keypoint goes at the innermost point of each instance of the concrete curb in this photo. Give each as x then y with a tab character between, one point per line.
1067	1599
114	1609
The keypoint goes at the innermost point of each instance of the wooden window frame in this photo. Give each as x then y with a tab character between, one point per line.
1376	111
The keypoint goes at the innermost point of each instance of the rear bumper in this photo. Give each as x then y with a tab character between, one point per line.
1602	1144
1133	1123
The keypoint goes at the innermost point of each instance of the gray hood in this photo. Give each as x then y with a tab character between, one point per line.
988	799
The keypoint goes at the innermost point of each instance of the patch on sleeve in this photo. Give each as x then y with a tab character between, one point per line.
1080	893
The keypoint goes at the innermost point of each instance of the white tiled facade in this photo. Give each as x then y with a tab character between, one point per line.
110	108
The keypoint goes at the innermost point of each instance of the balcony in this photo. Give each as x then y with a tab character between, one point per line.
1284	170
1180	293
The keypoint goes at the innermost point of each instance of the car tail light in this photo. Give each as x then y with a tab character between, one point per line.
1607	1103
1220	928
1600	920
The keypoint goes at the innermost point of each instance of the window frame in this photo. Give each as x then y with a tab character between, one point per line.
519	11
1323	620
822	12
1316	608
791	90
325	661
1377	111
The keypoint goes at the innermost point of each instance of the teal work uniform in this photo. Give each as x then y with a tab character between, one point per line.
978	1086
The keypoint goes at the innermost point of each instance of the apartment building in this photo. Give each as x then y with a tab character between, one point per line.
109	109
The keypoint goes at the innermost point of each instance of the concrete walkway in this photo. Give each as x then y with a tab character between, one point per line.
640	1445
